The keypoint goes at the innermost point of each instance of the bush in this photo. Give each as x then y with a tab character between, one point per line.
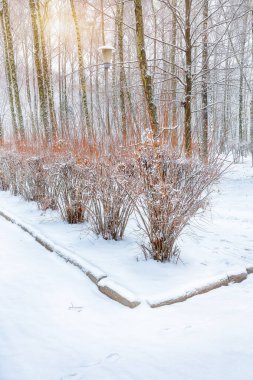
4	183
163	189
112	190
11	164
173	191
32	179
70	188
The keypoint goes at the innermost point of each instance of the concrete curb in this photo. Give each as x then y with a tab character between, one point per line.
96	275
225	280
117	292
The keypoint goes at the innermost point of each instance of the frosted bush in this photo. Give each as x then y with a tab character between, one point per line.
173	191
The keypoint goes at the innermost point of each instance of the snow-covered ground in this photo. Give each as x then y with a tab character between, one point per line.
56	325
219	243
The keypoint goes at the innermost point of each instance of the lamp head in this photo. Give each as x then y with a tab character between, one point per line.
107	51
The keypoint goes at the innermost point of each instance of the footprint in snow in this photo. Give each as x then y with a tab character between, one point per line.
166	330
113	357
91	364
69	376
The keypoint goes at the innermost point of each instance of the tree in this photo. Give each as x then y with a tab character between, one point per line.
145	76
38	65
188	80
47	81
81	71
122	75
11	68
251	103
9	78
204	81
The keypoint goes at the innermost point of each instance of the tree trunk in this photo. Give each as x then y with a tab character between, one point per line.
40	79
46	76
102	22
204	82
251	103
12	67
81	71
65	95
9	79
241	82
188	85
28	89
155	39
120	13
1	131
174	133
145	76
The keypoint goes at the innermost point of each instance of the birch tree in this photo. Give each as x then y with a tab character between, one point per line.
81	71
11	68
145	75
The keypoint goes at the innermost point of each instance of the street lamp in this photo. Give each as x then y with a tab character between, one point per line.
107	51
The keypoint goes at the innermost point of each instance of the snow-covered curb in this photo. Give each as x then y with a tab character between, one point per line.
118	292
96	275
212	284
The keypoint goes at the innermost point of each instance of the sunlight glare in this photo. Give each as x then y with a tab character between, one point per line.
57	26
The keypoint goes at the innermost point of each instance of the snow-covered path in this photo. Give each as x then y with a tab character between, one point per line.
54	324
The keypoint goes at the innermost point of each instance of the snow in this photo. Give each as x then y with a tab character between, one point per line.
55	324
213	247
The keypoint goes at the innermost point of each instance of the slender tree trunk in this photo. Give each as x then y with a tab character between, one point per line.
188	85
91	76
9	79
225	128
204	82
101	124
115	75
241	82
251	103
39	71
165	90
1	131
35	99
46	75
81	71
145	76
120	13
155	38
241	107
28	89
125	94
174	133
65	96
102	21
60	97
12	67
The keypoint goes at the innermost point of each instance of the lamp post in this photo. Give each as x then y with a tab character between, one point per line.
107	59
